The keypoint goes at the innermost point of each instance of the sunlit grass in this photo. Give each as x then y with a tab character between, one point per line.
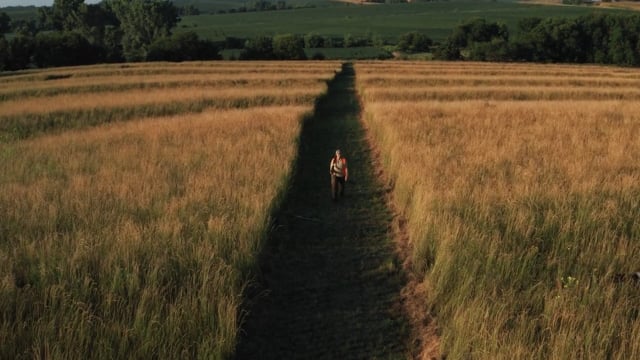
457	69
176	82
69	98
148	96
519	213
185	68
435	79
136	240
26	126
505	93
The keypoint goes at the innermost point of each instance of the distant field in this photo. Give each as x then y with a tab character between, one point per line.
336	19
437	19
134	200
21	12
213	6
520	185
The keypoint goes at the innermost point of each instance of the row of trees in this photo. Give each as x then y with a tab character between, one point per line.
291	46
595	38
73	33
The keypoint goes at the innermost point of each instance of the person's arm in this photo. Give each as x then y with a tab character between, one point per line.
331	166
346	171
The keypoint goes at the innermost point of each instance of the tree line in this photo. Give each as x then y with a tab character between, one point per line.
595	38
74	33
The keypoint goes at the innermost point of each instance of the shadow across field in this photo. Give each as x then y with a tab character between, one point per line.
330	280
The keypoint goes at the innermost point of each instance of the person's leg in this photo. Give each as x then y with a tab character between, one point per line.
334	187
341	180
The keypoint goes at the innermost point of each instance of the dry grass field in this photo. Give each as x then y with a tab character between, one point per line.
135	200
520	186
135	239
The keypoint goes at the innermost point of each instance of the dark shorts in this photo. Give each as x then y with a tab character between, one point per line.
337	186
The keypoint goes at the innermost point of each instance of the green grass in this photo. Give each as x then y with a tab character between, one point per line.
20	12
436	19
213	6
335	19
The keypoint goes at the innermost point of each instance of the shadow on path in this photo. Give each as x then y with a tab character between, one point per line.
330	278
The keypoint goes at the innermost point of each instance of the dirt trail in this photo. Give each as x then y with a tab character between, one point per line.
331	280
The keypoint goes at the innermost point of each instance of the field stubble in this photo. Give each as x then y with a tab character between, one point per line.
520	213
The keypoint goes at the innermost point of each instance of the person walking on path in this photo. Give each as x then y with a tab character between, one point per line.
339	175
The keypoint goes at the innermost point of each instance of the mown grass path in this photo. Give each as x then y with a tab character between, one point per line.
331	280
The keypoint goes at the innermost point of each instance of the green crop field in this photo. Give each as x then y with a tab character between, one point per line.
336	19
387	21
214	6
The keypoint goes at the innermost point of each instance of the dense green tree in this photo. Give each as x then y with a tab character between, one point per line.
21	49
102	29
5	23
64	49
468	35
289	47
598	53
188	10
599	38
64	15
448	50
527	24
313	40
231	42
112	44
348	41
478	30
183	47
262	5
142	22
259	48
494	50
24	27
413	42
4	53
620	46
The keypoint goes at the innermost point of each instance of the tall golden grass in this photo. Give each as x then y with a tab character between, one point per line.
476	69
136	239
520	214
52	100
150	96
124	83
185	68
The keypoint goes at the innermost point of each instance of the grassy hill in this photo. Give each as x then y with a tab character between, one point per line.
214	6
386	20
334	18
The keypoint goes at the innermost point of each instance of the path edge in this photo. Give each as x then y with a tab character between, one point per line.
424	342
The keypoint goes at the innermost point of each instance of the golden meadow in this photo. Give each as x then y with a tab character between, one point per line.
520	185
131	234
135	198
